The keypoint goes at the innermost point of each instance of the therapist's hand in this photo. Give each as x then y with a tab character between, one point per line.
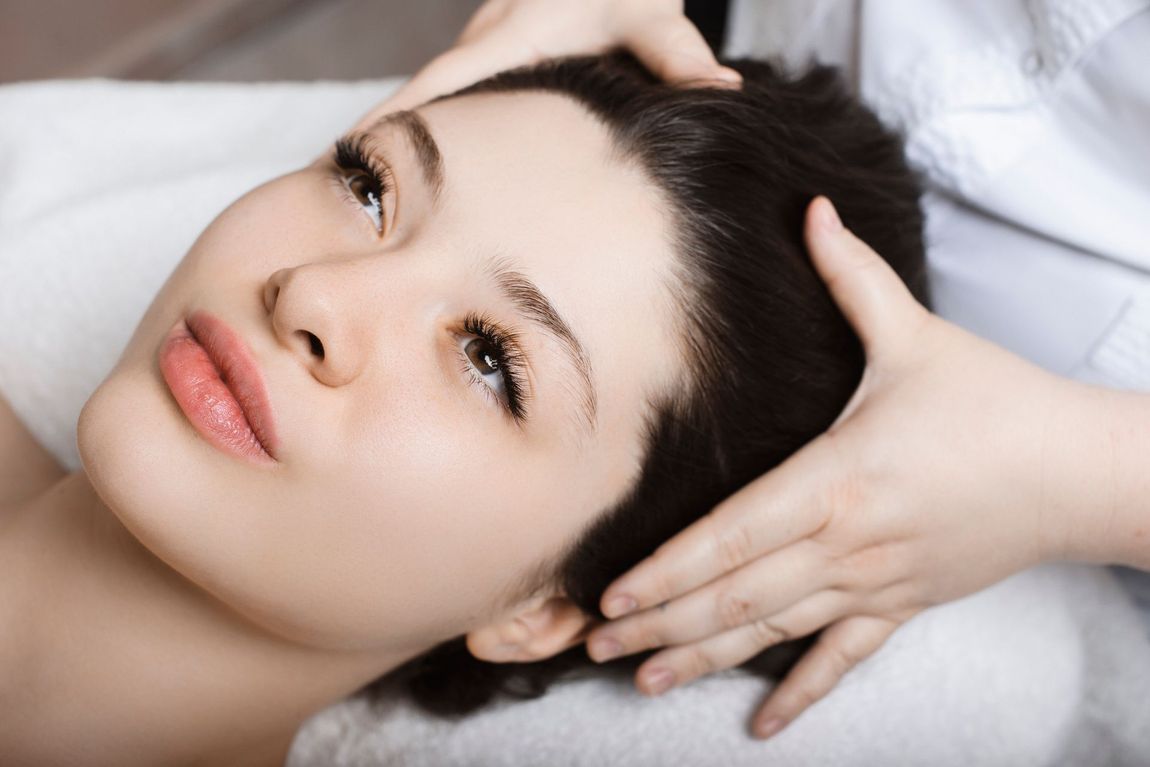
938	479
508	33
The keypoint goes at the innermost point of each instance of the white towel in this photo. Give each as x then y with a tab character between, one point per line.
103	186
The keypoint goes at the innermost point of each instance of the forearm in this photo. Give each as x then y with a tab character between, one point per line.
1100	484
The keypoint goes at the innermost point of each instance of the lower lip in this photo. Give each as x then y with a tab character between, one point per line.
205	399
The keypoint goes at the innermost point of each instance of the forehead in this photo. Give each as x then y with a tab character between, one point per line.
534	177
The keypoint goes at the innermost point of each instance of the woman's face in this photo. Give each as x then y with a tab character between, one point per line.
405	497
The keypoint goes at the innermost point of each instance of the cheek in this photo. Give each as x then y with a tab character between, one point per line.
285	222
417	515
425	522
281	223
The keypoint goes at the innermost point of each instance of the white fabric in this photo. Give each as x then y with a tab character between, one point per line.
102	188
1031	120
1038	670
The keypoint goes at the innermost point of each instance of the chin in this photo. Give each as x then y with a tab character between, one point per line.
152	471
125	439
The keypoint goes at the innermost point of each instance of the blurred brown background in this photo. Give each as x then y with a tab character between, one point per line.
224	39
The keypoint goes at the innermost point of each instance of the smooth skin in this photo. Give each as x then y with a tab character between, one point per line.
26	468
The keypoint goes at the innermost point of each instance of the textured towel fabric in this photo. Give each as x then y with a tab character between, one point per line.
1028	672
104	185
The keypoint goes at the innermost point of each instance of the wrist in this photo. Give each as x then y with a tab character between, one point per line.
1096	476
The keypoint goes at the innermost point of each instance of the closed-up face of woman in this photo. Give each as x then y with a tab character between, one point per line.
455	358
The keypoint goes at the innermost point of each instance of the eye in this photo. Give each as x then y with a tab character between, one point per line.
363	177
488	363
493	361
368	193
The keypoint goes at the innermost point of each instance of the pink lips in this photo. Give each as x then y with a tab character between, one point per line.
216	382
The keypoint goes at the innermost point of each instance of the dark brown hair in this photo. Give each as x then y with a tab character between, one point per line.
773	362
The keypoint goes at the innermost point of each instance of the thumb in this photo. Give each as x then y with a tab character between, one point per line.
870	294
673	49
454	69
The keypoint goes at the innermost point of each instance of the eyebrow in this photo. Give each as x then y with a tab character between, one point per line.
426	150
531	303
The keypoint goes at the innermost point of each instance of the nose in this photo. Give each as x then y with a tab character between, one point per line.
307	306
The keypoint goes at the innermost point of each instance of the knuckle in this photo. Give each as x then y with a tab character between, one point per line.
840	660
734	610
805	696
857	266
902	595
876	602
862	261
733	545
654	638
869	565
648	635
842	567
662	580
767	633
699	662
873	568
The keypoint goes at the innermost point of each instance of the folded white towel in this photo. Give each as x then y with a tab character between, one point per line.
1046	668
103	185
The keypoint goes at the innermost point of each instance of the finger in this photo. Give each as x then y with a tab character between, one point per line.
762	588
768	513
674	50
453	70
484	19
872	297
735	647
840	648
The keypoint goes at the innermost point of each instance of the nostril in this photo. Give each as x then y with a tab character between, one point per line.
316	344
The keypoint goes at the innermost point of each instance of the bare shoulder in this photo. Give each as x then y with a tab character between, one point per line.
26	467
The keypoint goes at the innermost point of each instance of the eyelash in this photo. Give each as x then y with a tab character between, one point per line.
354	156
508	358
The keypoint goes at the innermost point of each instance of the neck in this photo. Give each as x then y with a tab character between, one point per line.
109	656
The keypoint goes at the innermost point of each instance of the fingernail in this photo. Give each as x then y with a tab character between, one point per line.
620	606
660	681
606	649
768	728
830	219
730	75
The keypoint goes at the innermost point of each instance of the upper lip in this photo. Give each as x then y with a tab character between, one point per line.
240	373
